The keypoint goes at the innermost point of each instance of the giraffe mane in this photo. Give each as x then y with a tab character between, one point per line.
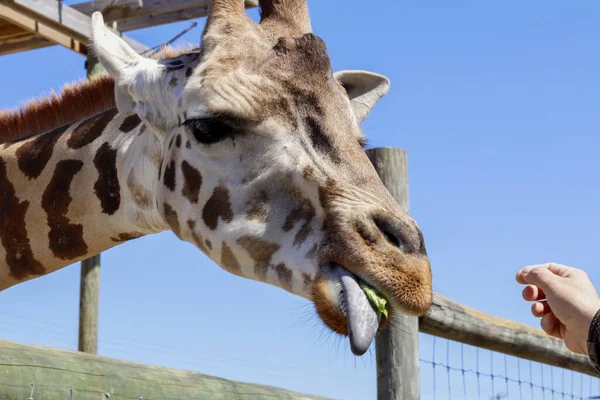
74	102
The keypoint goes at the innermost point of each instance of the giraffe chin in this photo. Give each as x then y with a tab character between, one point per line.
344	307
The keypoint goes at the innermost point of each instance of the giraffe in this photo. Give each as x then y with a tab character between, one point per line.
249	147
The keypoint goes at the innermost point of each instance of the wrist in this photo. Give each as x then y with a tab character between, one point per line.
593	342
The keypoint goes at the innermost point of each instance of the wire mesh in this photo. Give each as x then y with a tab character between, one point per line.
452	370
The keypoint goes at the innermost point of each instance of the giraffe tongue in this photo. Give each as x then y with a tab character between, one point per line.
362	318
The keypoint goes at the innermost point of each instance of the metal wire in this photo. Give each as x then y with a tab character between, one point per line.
464	369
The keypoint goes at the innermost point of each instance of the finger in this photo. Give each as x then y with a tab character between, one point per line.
538	275
560	269
551	325
532	293
540	308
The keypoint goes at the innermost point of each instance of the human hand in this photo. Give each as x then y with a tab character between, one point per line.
564	298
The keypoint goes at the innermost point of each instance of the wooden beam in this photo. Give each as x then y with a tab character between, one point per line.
62	18
117	12
123	20
153	13
9	30
397	345
31	43
35	372
89	291
149	21
463	324
42	29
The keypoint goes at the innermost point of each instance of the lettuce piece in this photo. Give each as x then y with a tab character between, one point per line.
378	301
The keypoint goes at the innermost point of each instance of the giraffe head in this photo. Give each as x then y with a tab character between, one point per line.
262	164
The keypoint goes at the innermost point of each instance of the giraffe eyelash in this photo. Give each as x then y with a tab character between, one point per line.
208	131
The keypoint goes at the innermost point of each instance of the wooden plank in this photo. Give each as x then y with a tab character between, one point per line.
397	346
136	18
117	12
63	18
8	30
54	371
161	19
31	43
463	324
153	13
42	29
88	304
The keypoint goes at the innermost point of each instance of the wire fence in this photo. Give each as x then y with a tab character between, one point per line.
452	370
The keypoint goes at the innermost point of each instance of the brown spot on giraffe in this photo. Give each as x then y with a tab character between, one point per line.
217	206
130	123
169	177
34	154
303	213
284	274
258	208
107	186
65	239
13	232
124	237
208	244
312	253
178	141
197	237
260	251
192	182
90	130
172	219
188	144
228	260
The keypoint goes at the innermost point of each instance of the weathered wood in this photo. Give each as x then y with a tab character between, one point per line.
9	30
88	305
61	18
149	21
30	43
117	12
54	371
463	324
45	30
121	15
397	347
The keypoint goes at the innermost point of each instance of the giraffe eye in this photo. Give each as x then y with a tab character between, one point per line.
208	130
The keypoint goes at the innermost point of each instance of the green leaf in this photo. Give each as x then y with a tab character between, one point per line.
378	301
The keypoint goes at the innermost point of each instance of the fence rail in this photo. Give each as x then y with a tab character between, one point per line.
454	321
37	372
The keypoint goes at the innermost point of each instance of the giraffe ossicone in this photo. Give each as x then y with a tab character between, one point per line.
248	147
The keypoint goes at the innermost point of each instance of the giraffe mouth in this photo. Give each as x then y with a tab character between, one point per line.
362	315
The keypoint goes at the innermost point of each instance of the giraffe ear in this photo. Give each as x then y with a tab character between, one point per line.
112	51
121	61
364	89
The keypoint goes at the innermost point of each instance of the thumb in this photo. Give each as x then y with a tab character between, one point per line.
539	275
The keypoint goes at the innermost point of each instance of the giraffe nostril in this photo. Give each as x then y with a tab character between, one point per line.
394	241
392	232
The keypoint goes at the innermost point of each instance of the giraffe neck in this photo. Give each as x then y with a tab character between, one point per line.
74	192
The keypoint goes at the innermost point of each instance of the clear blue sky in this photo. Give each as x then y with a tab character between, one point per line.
498	107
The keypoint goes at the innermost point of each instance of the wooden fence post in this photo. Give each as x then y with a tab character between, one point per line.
397	347
90	276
